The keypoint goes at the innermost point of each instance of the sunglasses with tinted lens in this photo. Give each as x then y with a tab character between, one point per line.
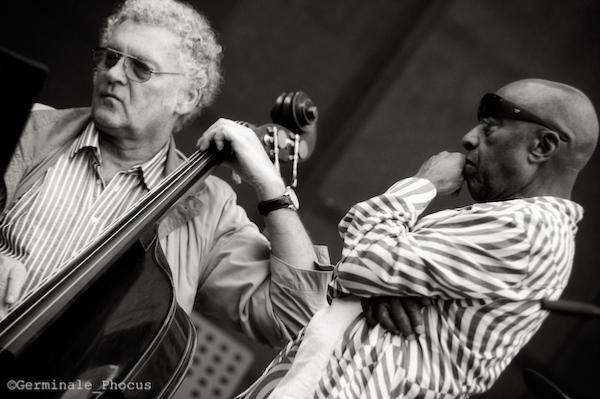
105	58
494	106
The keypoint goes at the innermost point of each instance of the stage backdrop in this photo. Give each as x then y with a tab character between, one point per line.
395	82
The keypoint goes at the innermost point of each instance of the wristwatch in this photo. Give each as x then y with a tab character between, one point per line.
287	200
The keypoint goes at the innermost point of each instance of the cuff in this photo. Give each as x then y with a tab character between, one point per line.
286	275
417	191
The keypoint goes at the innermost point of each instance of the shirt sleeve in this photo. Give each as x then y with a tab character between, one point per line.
225	259
451	254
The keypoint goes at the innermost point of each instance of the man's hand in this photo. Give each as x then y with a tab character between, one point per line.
444	170
250	159
398	315
12	278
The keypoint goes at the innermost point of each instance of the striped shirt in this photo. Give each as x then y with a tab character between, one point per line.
484	266
69	206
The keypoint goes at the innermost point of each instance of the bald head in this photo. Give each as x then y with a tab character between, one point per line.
565	107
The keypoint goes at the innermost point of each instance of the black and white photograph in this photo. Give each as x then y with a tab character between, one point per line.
300	199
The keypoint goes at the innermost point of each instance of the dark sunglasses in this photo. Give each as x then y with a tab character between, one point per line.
105	58
494	106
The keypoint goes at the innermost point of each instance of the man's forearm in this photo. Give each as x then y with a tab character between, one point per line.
289	240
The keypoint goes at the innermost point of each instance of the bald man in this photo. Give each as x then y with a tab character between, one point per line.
484	267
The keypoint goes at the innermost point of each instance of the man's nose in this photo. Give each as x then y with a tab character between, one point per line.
117	71
470	141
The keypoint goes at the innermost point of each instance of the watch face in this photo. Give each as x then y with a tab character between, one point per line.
293	197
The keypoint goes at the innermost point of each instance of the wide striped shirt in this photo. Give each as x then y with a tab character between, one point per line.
70	205
485	266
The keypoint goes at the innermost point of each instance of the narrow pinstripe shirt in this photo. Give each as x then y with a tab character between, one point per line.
484	266
69	206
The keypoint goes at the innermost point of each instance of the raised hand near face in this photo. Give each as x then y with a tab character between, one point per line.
444	170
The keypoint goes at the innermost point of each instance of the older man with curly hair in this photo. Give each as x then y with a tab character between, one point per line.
77	170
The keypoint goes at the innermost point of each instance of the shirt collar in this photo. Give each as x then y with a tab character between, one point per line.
89	139
572	210
151	172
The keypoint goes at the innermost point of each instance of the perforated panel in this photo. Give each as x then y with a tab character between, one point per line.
219	364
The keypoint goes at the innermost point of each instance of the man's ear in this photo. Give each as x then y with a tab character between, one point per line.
544	146
188	99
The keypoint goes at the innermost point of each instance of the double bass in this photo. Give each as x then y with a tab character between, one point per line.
108	325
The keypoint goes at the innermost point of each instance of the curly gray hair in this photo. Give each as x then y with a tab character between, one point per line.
200	53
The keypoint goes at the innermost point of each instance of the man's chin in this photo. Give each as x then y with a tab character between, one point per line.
474	190
106	118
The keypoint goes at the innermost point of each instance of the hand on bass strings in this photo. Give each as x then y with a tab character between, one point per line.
12	278
249	158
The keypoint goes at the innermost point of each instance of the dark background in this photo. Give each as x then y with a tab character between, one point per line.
395	82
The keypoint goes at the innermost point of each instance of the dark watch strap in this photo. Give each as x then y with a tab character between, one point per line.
287	200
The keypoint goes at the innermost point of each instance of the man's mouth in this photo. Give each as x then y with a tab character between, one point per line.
470	163
470	168
107	95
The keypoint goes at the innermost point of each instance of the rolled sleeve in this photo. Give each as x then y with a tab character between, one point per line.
288	276
297	294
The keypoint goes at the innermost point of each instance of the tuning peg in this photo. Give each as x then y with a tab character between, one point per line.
295	111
